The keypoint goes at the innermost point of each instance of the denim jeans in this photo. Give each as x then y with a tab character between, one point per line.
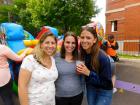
6	94
97	96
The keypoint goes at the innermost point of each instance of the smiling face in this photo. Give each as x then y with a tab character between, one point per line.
69	44
87	40
49	45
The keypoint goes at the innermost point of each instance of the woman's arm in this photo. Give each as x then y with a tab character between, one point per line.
24	78
13	56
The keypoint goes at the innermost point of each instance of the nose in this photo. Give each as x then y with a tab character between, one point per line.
70	44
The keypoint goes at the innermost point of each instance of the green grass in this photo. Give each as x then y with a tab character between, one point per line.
128	56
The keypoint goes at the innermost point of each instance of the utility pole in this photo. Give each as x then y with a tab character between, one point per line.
7	3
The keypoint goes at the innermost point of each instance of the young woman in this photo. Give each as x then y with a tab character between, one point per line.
38	73
97	69
69	90
5	76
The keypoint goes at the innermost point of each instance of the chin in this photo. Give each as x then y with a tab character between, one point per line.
85	48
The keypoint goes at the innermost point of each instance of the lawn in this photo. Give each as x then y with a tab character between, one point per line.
128	56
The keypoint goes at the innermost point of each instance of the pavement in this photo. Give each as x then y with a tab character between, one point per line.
128	72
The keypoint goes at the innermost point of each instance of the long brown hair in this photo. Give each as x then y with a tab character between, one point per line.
75	52
37	52
94	50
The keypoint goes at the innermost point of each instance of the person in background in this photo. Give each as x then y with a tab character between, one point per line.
110	46
69	89
113	68
97	69
38	73
113	64
5	76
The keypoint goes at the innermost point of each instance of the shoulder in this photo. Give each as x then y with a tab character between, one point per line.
29	58
103	56
6	50
57	55
4	47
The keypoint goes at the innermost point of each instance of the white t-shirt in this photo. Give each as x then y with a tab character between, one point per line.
41	88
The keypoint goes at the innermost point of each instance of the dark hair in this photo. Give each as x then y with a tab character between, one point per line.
75	52
94	50
3	39
111	36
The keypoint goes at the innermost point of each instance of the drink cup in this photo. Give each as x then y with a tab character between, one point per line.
78	62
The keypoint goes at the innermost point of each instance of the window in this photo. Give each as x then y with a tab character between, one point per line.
114	26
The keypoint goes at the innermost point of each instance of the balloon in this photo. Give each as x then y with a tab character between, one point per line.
99	29
47	29
29	43
28	52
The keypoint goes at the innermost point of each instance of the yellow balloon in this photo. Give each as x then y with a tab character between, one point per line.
29	43
28	52
34	42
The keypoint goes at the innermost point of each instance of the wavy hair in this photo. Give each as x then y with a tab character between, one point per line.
38	52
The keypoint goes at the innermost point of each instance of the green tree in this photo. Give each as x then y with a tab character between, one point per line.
32	14
71	14
62	14
5	13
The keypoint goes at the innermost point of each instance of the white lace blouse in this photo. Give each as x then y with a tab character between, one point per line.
41	88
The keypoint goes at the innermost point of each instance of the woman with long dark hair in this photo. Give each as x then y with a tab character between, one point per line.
69	89
97	69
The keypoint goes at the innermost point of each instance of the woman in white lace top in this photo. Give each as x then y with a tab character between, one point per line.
38	74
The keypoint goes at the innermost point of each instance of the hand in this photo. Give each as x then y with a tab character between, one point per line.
82	69
28	51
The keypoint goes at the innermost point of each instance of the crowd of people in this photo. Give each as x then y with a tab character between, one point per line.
48	77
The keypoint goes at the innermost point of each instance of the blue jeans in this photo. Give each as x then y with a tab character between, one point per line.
98	96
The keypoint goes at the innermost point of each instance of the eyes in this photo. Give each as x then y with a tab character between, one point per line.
68	42
85	37
48	42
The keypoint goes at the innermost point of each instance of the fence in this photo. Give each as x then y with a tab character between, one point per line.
128	44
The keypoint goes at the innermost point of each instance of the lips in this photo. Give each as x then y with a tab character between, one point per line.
84	44
69	48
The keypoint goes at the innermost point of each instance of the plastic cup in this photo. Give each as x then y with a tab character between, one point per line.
78	62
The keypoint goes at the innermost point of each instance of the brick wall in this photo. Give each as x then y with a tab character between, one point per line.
113	4
127	13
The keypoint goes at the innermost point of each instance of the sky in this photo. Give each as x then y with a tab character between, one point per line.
101	16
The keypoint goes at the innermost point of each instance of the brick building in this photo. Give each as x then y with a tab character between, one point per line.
123	20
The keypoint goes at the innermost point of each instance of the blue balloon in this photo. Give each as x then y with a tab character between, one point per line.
16	45
12	31
53	30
